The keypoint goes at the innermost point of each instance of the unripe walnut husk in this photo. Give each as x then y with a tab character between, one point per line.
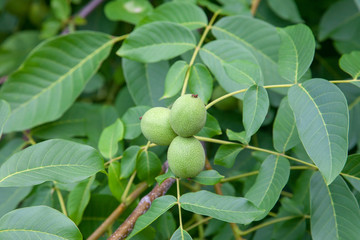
156	127
188	115
186	157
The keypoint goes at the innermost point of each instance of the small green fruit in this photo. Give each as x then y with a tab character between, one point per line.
188	115
156	127
186	157
229	103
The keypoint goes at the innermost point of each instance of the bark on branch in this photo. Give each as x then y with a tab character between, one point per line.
125	229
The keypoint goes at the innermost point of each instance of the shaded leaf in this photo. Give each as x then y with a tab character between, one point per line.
225	208
217	54
148	166
241	30
175	78
157	41
65	62
117	186
226	154
285	134
109	138
10	197
256	105
39	222
208	177
335	213
350	63
4	114
201	82
52	160
211	128
131	119
287	11
322	120
351	171
78	199
158	207
177	235
296	51
272	178
145	81
128	162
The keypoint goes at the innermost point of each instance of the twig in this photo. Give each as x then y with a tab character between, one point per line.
125	229
84	12
254	6
3	79
117	212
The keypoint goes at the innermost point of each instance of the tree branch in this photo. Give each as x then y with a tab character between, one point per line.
125	229
117	212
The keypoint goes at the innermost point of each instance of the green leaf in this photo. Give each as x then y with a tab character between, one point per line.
175	78
296	51
15	48
39	222
78	199
287	11
335	213
109	138
158	207
339	21
226	154
53	160
10	198
350	63
128	11
237	136
117	186
225	208
211	128
201	82
4	114
217	54
161	178
272	178
244	71
322	120
241	30
285	134
292	229
165	226
65	62
177	235
61	9
208	177
148	166
72	123
128	162
186	14
256	105
145	81
351	171
157	41
131	119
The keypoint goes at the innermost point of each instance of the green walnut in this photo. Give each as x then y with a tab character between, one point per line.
156	127
186	157
227	104
188	115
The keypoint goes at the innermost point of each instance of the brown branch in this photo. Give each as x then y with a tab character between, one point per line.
125	229
254	6
141	187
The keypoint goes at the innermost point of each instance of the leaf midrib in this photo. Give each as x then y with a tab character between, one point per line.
63	77
42	167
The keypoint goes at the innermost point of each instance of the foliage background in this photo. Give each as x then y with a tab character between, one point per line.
78	96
